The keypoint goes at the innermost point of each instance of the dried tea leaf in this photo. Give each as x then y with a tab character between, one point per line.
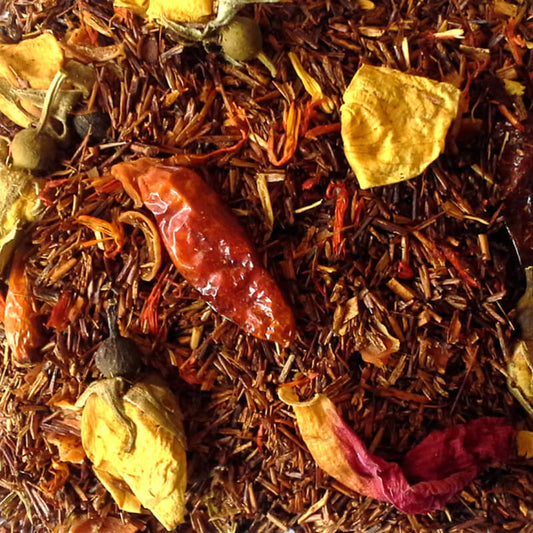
154	473
35	61
394	124
437	468
19	204
520	370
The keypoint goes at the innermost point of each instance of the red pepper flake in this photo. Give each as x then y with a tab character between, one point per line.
60	313
209	247
338	189
310	183
2	307
404	270
22	325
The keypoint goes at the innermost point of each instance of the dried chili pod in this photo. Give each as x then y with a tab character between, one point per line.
21	323
209	247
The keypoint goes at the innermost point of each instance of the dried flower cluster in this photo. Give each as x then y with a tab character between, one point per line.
404	296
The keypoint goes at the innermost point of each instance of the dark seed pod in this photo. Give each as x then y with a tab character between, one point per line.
117	356
241	39
96	123
32	149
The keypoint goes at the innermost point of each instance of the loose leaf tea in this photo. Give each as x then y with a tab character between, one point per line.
209	247
431	473
394	124
154	473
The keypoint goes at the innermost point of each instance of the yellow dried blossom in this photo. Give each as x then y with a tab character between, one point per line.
394	124
153	474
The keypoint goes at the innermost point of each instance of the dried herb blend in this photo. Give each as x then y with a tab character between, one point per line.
403	295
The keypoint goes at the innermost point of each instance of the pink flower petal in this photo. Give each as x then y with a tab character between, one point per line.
438	468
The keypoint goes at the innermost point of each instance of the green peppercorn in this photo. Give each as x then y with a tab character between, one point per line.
32	149
241	39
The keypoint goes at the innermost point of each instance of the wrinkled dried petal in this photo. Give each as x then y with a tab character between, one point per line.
432	472
394	124
19	204
154	473
520	369
34	60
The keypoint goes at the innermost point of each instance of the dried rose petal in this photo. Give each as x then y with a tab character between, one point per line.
439	467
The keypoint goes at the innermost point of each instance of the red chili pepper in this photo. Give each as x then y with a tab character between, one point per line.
209	248
21	323
340	210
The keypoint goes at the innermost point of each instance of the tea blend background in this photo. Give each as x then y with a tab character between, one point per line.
248	468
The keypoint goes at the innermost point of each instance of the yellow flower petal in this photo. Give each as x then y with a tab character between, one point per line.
311	85
19	204
394	124
173	10
154	473
34	60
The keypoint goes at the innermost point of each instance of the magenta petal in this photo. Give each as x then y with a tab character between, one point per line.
439	467
443	464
